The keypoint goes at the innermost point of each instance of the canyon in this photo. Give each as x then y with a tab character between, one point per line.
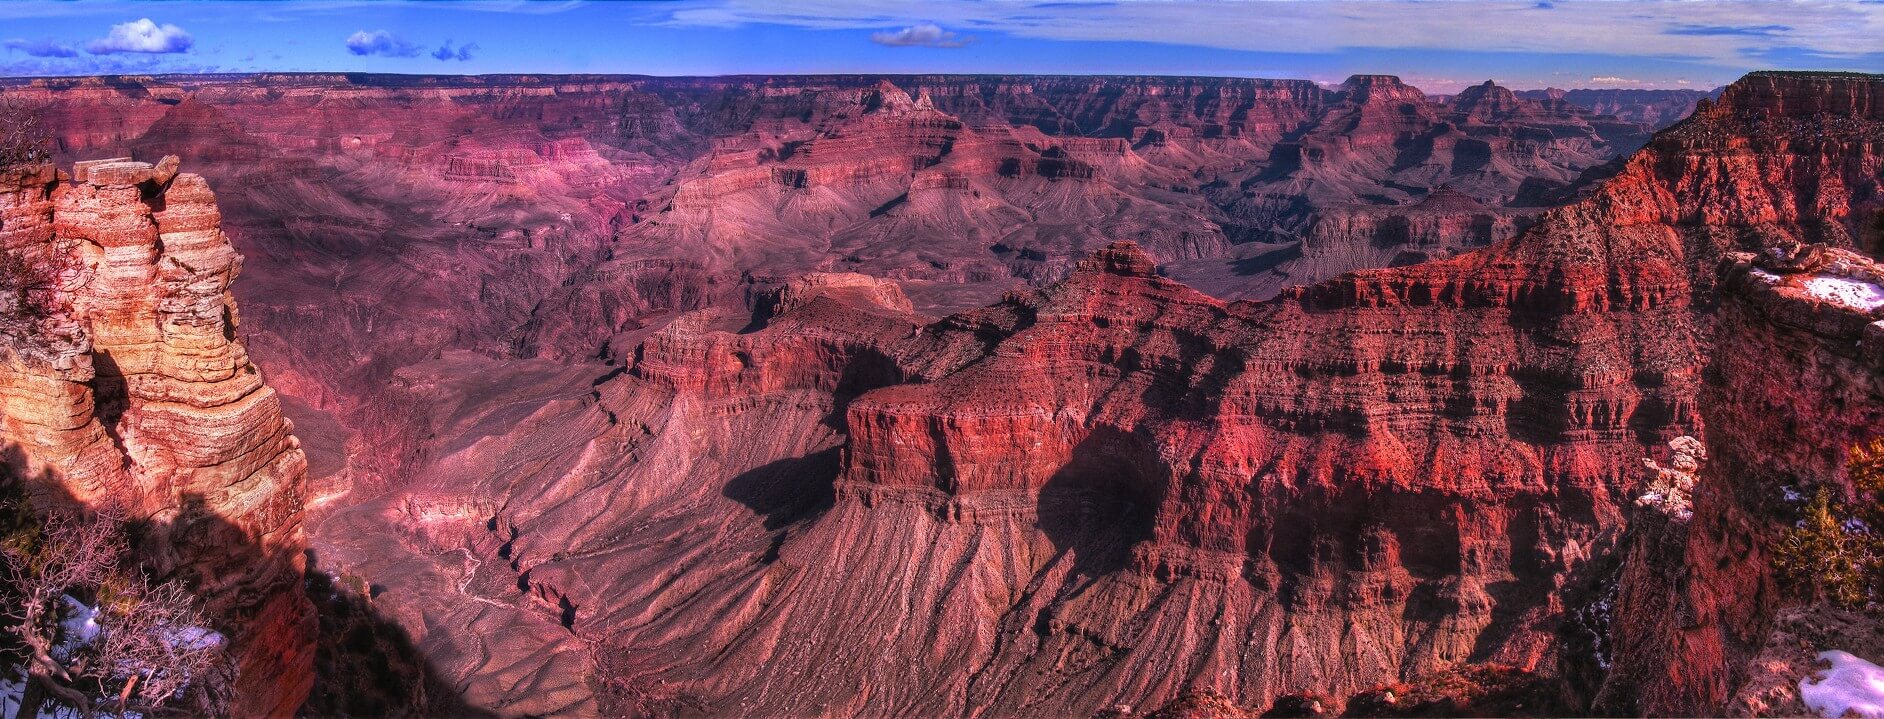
566	217
1655	107
966	395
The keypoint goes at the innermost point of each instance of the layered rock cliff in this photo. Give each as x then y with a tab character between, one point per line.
1701	619
571	216
124	384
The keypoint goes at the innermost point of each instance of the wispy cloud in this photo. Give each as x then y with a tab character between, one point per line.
926	34
1730	30
41	48
142	36
120	64
1716	32
381	42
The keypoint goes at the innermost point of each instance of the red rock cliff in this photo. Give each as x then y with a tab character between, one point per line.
1796	380
124	383
1112	490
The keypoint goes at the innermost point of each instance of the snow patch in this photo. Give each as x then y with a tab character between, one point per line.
79	627
1851	687
192	638
1856	294
13	689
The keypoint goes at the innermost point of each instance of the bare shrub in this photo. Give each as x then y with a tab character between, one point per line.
26	288
92	633
27	275
24	139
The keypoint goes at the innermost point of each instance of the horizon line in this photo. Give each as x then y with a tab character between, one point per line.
1199	76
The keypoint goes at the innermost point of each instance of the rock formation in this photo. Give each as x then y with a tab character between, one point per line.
1117	490
560	216
124	385
1659	108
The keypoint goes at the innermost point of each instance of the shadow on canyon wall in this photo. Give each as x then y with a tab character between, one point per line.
787	490
365	665
1101	502
794	489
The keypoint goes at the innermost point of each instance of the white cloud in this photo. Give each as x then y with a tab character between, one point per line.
142	36
1617	81
926	34
380	42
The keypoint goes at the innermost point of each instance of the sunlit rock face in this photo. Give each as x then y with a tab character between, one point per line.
125	385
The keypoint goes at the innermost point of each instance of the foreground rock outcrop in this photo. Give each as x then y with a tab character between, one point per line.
123	384
1703	620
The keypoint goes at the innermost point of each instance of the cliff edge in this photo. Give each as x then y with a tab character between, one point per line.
123	383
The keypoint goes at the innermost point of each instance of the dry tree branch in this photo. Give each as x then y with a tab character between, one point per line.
146	646
24	139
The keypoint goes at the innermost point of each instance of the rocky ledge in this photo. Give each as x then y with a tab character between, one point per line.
123	383
1796	381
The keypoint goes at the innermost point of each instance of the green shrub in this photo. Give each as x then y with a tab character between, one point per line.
1836	551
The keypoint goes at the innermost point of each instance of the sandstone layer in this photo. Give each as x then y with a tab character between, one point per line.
124	385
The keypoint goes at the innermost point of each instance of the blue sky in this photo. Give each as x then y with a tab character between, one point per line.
1440	45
